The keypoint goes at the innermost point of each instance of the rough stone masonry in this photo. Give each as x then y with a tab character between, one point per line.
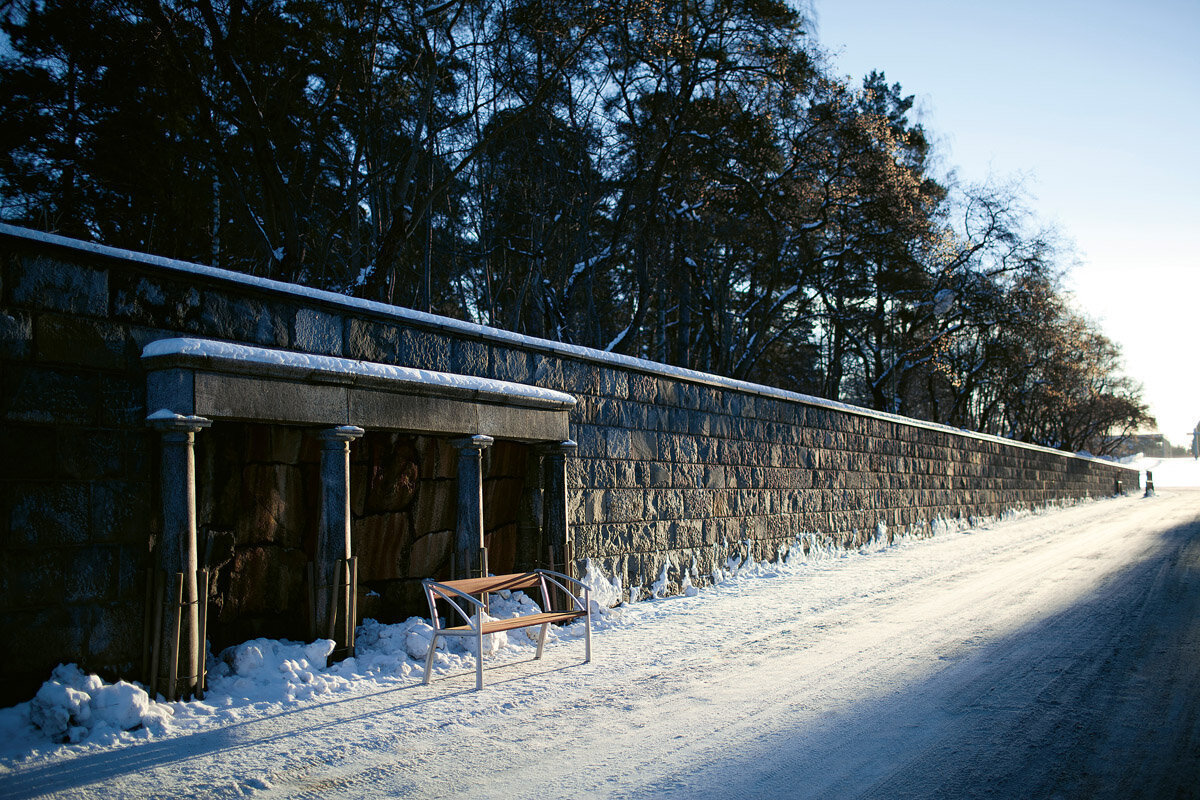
672	468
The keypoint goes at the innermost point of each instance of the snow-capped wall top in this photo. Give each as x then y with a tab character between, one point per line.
475	331
214	351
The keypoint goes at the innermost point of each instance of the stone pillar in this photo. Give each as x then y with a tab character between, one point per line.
179	650
470	555
555	529
334	590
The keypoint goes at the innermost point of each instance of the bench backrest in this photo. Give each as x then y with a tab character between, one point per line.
496	583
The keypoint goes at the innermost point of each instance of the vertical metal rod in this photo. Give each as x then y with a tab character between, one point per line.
347	620
159	599
353	626
587	603
202	578
479	655
333	601
177	605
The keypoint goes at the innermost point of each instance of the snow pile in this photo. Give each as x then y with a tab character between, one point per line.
72	706
260	675
273	671
604	593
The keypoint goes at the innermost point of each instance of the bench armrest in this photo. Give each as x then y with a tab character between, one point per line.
451	596
559	580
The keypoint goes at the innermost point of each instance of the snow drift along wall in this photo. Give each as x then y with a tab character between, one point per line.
674	470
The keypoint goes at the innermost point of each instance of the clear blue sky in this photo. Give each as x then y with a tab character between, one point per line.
1096	106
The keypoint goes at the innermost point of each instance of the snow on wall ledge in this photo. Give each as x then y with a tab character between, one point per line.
675	471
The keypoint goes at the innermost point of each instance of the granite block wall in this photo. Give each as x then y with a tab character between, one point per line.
673	469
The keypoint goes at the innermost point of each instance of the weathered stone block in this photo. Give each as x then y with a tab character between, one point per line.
265	580
48	514
663	504
58	285
59	632
32	577
16	334
369	340
430	554
114	634
381	542
132	561
89	575
507	364
89	454
686	476
642	388
436	506
591	441
273	503
424	350
122	402
576	377
36	394
643	446
393	472
469	358
278	444
315	331
120	511
623	505
548	371
697	503
614	383
617	443
625	475
80	341
243	319
158	302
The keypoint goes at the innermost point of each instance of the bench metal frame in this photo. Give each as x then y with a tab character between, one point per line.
455	592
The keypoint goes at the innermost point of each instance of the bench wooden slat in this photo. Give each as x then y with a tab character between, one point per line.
495	583
527	621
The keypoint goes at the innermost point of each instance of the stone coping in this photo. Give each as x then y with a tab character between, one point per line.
202	379
435	323
227	357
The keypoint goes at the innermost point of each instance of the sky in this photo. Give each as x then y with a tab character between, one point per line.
1095	108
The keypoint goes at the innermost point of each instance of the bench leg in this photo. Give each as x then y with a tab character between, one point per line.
542	639
429	659
479	658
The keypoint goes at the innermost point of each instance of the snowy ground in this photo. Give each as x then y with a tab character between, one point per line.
1044	655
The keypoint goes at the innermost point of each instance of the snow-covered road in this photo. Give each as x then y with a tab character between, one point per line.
1053	655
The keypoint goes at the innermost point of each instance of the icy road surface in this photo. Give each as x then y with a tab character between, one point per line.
1054	655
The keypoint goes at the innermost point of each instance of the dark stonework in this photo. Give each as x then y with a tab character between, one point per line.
682	473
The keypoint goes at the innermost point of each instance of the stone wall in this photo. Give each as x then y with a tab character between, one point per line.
673	468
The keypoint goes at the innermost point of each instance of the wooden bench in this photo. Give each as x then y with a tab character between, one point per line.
466	590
